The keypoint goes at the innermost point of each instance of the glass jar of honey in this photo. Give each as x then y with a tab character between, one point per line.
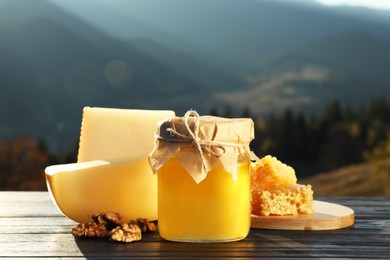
202	166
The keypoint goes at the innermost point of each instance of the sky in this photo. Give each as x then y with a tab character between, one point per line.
374	4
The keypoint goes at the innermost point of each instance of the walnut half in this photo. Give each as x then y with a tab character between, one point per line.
126	233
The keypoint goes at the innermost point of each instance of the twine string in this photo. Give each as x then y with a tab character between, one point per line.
193	137
195	134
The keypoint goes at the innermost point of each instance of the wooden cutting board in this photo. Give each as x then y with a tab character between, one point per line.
326	216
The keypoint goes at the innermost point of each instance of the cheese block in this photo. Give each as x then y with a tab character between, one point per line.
121	180
118	134
83	189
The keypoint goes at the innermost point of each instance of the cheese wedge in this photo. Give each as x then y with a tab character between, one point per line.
118	134
83	189
113	172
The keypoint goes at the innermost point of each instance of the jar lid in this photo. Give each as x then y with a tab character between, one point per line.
201	143
238	131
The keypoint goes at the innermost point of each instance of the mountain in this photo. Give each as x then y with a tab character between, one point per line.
263	42
58	56
242	32
351	67
53	64
354	52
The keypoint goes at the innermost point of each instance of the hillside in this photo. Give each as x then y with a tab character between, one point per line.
355	180
322	71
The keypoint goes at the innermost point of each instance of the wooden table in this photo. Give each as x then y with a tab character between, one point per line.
32	227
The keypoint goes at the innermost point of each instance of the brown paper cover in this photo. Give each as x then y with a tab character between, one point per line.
202	143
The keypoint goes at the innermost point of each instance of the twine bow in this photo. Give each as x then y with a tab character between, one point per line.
193	137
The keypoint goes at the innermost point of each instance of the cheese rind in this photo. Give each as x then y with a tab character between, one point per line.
118	134
83	189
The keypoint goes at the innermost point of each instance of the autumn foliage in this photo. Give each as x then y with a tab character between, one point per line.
380	159
22	164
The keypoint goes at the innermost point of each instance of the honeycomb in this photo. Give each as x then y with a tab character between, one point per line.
271	173
293	200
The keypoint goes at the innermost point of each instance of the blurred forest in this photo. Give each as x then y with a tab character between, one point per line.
338	137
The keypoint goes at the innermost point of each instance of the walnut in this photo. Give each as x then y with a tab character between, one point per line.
109	219
90	229
126	233
111	224
144	224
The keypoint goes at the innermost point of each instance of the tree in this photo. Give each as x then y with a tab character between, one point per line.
333	113
380	159
339	148
22	164
213	111
246	113
228	112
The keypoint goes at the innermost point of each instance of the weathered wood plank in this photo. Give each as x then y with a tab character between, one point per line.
61	245
13	204
32	227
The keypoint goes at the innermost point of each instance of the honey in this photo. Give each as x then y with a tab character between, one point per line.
203	178
217	209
